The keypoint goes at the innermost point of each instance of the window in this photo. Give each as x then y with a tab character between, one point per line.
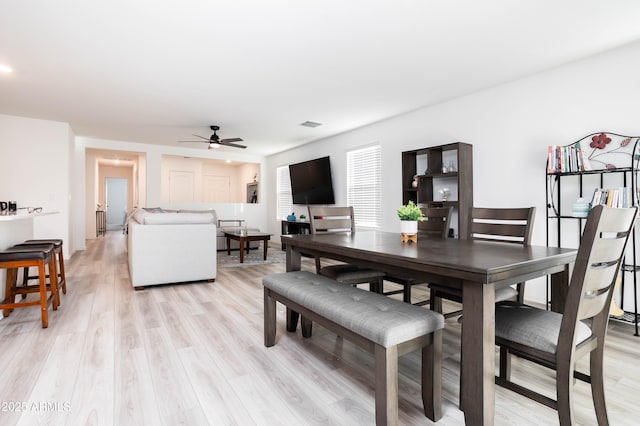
364	183
284	200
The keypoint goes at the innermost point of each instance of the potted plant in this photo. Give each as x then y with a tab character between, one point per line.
409	215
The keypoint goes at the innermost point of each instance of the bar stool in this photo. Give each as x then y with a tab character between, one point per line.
57	249
39	256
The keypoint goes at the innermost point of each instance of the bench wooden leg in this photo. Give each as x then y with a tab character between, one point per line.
386	366
306	325
292	320
432	377
269	319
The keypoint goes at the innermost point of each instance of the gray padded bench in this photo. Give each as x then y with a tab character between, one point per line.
386	327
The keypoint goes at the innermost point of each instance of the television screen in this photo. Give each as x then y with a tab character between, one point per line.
311	182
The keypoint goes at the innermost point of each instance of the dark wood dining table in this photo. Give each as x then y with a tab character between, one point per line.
476	267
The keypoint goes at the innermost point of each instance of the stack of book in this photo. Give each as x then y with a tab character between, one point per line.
567	159
619	197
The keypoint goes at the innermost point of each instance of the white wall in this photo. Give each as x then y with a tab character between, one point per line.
509	126
36	172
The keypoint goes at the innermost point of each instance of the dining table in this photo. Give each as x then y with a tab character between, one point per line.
476	267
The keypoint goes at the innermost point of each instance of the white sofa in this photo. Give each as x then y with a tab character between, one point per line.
171	247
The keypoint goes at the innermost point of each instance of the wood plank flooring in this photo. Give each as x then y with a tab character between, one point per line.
193	354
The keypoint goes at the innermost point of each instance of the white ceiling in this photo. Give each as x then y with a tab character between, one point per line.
158	71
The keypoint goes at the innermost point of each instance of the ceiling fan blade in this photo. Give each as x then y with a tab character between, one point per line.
235	145
190	141
231	140
202	137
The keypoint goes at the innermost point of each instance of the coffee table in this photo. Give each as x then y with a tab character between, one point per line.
244	238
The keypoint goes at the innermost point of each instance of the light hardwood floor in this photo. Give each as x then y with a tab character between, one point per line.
193	354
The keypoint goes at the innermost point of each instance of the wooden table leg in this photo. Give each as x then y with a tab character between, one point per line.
559	289
477	391
228	246
294	263
266	246
241	242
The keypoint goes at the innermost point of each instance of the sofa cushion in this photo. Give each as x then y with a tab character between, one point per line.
163	218
210	211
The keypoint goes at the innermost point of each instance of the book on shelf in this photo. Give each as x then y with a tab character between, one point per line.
614	197
567	159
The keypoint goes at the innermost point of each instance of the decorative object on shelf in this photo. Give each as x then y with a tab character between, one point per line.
451	168
291	217
303	217
445	192
409	215
414	183
580	208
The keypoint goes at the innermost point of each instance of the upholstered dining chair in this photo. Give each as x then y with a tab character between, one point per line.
510	225
558	340
325	220
435	223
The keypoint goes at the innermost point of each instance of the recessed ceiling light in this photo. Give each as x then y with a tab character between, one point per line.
5	69
310	124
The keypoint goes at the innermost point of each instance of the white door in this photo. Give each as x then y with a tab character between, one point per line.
116	202
216	189
181	188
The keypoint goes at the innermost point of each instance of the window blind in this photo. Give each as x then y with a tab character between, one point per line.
364	183
283	191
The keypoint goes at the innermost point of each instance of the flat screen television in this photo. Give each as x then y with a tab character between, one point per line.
311	182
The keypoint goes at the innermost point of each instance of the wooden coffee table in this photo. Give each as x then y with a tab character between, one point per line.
244	238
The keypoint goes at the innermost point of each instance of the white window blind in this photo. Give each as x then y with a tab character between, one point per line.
284	198
364	182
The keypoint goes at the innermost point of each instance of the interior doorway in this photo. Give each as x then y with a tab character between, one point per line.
116	201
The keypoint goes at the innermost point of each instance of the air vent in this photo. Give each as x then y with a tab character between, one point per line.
310	124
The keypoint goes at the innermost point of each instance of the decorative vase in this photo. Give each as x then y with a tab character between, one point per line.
414	184
291	218
409	227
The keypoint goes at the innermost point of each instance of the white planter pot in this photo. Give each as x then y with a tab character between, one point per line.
409	227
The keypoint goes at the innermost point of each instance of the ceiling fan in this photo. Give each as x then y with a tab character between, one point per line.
214	140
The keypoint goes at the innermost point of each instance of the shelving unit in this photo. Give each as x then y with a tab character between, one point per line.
614	165
288	227
425	167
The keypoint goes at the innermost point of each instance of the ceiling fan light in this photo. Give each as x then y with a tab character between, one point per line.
214	145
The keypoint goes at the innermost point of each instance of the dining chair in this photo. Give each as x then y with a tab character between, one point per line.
510	225
324	220
558	340
435	224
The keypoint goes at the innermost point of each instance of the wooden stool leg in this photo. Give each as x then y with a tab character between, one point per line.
25	279
53	282
9	289
43	294
63	279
